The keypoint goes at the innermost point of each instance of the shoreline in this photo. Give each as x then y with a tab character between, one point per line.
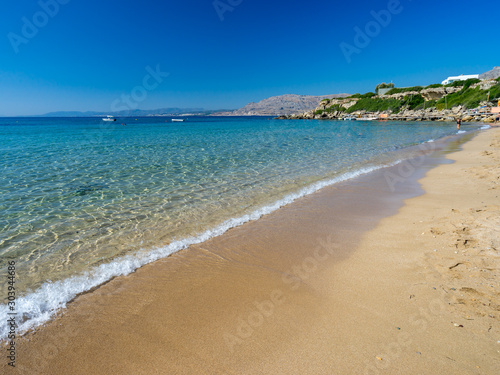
60	292
384	117
251	276
446	245
123	266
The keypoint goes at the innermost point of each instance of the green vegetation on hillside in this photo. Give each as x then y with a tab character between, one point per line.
405	89
434	86
414	88
380	104
467	97
427	104
376	104
362	96
466	83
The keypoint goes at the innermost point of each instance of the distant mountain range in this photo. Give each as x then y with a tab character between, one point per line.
280	105
134	113
273	106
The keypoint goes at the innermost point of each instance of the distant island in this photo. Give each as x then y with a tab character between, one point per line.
273	106
134	113
470	99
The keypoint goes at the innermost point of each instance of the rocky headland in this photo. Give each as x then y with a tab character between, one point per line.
470	100
280	105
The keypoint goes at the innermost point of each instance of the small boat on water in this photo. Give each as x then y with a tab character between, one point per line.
366	118
347	118
109	118
177	120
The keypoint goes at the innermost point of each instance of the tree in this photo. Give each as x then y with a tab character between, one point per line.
384	85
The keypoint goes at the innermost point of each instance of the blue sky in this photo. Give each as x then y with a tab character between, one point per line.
84	55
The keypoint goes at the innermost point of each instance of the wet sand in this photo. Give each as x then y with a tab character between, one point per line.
345	281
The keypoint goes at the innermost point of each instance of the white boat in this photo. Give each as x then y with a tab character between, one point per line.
349	118
366	118
109	118
177	119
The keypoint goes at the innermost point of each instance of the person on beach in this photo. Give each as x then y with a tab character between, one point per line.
459	122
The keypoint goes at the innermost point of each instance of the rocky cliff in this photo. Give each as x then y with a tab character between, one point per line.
492	74
280	105
471	102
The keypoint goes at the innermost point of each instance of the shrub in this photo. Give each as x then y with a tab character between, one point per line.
495	91
465	83
360	96
375	105
413	101
433	86
404	89
428	104
335	107
470	82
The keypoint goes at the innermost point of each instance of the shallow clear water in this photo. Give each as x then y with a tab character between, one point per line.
77	193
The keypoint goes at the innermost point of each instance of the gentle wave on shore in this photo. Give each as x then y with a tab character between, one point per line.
84	201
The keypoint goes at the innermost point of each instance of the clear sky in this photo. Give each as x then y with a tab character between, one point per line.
84	55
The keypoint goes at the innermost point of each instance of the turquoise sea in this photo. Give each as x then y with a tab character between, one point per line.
83	200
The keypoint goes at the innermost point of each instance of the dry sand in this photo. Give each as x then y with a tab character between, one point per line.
307	290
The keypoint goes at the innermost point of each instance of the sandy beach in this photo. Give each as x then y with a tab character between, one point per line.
358	278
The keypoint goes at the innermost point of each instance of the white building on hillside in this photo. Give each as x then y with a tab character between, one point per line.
461	77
